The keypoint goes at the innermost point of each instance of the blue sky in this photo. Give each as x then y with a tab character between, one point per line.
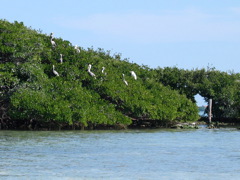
187	34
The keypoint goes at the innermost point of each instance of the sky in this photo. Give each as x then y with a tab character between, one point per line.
187	34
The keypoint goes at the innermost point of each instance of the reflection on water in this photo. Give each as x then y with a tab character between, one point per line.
131	154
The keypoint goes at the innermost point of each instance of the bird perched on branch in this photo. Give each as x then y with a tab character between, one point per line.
133	75
77	49
90	72
55	72
103	69
53	43
124	80
51	35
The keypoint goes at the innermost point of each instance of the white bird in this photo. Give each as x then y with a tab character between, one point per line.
61	58
124	80
103	69
53	42
133	75
89	67
90	72
77	49
54	71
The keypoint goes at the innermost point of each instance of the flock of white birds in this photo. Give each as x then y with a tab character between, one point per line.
89	66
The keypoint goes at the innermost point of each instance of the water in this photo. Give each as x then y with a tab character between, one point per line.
130	154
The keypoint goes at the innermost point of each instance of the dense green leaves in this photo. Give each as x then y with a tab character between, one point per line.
35	93
223	88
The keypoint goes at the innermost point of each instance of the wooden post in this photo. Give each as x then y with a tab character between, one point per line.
210	111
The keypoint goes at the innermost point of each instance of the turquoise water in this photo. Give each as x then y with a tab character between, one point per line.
129	154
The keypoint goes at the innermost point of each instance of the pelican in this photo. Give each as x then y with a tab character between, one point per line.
54	71
53	42
133	75
103	69
89	67
61	58
77	49
90	72
124	80
51	35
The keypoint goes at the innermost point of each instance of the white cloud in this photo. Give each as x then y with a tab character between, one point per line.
178	26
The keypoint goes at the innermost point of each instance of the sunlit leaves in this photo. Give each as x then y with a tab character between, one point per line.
75	97
222	87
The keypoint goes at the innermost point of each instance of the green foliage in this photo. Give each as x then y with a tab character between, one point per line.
63	101
34	92
222	87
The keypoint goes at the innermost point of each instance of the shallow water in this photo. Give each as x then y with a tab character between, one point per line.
129	154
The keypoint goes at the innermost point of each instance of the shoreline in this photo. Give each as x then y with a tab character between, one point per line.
138	124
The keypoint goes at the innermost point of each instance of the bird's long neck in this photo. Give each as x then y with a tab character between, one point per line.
89	68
